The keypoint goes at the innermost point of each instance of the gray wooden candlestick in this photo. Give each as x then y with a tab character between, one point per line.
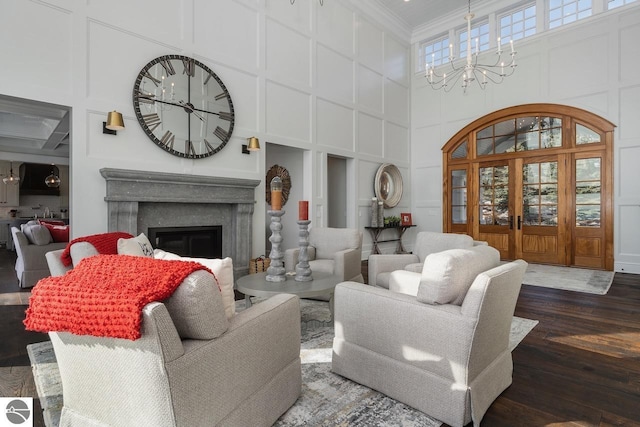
303	271
276	271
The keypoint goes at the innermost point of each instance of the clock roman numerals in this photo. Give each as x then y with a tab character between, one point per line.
210	148
221	133
155	81
221	96
146	98
152	121
225	116
167	139
188	149
189	67
207	79
168	66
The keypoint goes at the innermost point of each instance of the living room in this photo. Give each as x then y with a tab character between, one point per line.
337	80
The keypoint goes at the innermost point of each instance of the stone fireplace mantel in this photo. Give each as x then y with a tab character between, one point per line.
137	200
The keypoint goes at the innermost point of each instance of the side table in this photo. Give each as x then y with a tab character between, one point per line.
377	231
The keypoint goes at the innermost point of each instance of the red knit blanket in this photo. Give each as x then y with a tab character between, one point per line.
105	243
104	295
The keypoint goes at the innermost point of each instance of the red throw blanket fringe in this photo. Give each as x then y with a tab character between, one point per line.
104	295
105	243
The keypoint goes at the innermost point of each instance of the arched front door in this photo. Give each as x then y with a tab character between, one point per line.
535	182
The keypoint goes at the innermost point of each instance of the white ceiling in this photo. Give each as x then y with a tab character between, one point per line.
414	13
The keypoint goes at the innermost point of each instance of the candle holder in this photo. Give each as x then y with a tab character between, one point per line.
303	272
276	271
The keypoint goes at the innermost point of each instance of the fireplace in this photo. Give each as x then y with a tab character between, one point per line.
139	201
197	242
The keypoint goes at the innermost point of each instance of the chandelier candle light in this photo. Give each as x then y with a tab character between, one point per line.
471	70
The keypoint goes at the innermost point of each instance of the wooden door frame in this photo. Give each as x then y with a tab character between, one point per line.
571	116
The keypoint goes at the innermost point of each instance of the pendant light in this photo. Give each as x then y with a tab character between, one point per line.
11	179
52	181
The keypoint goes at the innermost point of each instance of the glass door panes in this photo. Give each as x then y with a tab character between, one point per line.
494	195
584	135
540	194
519	134
588	192
459	196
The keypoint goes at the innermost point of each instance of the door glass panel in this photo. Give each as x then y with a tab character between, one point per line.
460	152
459	196
484	146
508	127
505	144
494	195
588	192
540	193
584	135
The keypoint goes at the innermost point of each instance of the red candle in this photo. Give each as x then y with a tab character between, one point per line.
303	210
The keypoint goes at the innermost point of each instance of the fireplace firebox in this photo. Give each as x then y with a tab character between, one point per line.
197	242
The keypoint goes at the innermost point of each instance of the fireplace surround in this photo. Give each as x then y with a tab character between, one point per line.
139	200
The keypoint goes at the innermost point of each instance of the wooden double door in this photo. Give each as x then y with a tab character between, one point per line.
543	209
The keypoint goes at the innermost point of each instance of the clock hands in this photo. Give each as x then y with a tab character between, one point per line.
191	109
148	98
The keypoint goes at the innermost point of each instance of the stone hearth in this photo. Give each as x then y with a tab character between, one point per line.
137	200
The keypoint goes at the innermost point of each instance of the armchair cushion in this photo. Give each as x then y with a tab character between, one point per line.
328	241
447	275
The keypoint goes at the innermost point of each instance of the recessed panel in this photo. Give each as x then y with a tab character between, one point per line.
370	45
370	89
288	57
335	75
335	125
428	184
396	60
369	135
287	112
396	101
629	37
396	142
336	26
629	237
629	123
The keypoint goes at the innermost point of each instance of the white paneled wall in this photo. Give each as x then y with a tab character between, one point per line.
591	64
330	80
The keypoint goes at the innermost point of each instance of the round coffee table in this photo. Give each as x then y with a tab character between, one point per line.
256	285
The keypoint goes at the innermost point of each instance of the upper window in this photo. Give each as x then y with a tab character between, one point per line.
519	134
518	23
435	52
479	39
612	4
563	12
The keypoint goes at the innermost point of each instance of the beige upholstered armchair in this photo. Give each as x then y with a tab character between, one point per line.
444	350
244	371
337	251
427	242
31	264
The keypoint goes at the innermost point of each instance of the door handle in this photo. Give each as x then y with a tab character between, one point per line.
511	222
519	222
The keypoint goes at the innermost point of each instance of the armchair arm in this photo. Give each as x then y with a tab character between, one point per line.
381	263
432	338
348	264
405	282
291	257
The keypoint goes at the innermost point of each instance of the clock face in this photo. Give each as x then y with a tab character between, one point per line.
183	106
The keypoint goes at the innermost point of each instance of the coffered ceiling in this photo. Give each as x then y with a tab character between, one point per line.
32	127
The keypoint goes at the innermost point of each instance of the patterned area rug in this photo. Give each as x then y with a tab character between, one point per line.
569	278
327	399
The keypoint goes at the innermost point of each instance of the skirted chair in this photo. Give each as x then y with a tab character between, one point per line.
427	242
244	371
444	349
337	251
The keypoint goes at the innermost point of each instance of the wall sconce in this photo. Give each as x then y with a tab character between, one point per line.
114	123
253	144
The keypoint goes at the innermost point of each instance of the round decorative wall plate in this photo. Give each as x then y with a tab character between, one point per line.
283	173
388	185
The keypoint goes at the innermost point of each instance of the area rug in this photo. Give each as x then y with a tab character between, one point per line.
327	399
569	278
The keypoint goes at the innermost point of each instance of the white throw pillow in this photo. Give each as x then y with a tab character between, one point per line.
37	234
136	246
448	275
221	268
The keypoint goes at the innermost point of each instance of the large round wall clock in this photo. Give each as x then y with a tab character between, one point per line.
183	106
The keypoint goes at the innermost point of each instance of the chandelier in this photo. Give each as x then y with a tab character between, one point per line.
471	70
11	179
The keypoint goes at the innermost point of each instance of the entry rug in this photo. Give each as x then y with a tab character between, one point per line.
569	278
327	399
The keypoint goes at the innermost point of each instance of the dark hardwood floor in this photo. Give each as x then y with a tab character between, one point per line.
580	366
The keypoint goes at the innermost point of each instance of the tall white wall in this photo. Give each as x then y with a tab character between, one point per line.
328	80
591	64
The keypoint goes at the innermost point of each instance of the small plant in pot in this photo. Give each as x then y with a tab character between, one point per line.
13	213
392	221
